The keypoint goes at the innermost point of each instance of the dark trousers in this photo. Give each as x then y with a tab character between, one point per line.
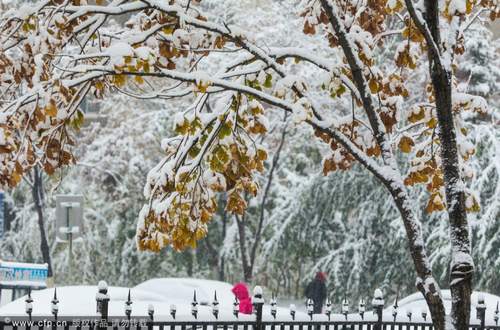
318	307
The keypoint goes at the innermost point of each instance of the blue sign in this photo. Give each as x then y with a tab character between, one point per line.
23	274
1	214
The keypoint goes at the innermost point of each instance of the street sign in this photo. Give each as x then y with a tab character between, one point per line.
2	214
23	275
69	216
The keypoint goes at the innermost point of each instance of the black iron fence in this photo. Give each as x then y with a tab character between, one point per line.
264	317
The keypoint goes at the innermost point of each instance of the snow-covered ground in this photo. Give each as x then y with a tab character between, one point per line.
184	288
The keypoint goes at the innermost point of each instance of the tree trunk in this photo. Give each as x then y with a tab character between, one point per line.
247	268
38	199
9	216
425	282
462	266
274	165
222	259
190	262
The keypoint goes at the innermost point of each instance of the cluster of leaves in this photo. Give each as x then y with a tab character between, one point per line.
52	78
425	167
219	154
413	127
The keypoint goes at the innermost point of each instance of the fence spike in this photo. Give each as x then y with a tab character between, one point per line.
194	306
310	308
128	305
328	308
362	308
409	314
173	310
215	306
273	304
395	307
236	307
29	304
54	304
292	311
151	311
424	313
345	306
496	315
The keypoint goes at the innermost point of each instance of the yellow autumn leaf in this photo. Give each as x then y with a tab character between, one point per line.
99	85
119	80
168	30
51	109
416	115
139	80
373	84
202	86
405	144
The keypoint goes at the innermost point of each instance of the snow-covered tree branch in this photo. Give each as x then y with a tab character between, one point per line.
370	100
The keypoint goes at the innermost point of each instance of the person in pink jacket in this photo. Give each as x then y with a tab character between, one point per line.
240	290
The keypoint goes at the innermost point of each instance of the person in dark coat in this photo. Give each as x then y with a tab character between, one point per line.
316	290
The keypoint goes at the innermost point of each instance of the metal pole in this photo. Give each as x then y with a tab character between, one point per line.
378	305
70	239
481	311
102	300
258	302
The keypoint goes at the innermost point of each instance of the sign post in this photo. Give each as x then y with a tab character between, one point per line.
69	215
2	214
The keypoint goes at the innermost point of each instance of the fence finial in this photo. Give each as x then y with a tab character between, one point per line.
345	307
151	312
424	313
328	308
215	306
194	306
395	307
362	308
236	307
128	306
54	304
409	313
29	304
273	304
496	315
310	308
292	311
173	310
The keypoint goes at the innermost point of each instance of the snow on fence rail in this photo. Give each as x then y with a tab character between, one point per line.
262	318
